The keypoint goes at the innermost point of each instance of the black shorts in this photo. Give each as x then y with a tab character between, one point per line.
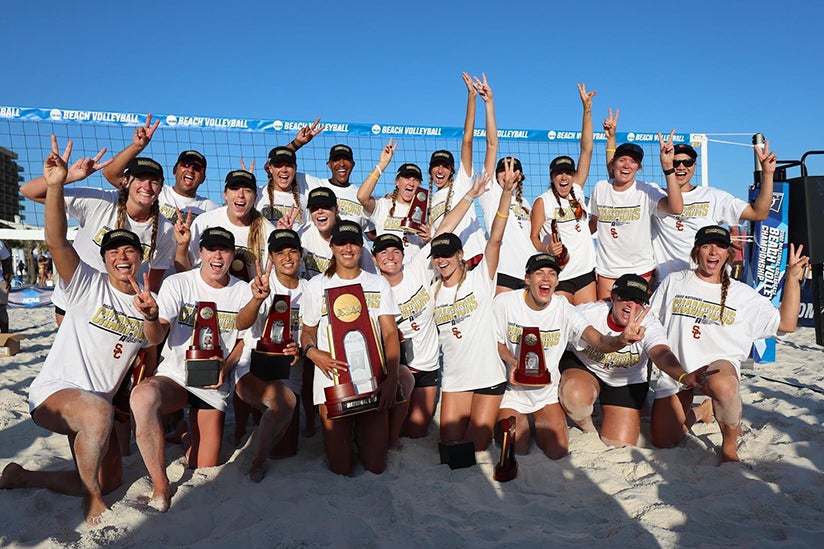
427	379
578	283
632	396
494	390
510	282
198	403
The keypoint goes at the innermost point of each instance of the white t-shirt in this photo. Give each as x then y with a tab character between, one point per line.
177	304
349	207
690	308
96	211
100	335
628	365
384	223
624	227
469	230
313	311
673	236
466	329
574	233
219	218
559	323
516	247
168	199
282	202
252	335
317	254
416	320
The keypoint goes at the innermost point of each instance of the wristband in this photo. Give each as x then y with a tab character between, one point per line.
294	144
682	376
377	167
308	348
610	150
498	214
153	319
669	171
467	198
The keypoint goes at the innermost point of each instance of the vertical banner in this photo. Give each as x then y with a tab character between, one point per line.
768	259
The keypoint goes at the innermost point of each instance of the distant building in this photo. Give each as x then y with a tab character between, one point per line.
10	179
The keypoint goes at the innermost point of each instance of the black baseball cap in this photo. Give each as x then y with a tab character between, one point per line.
143	165
683	148
561	164
191	155
516	165
387	240
539	261
632	287
341	151
283	238
321	198
629	149
442	158
446	245
410	170
347	231
217	237
119	237
713	233
237	179
283	154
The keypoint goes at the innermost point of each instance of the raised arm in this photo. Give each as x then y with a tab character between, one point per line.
55	170
610	125
140	140
585	159
368	186
496	232
260	291
36	188
490	158
453	218
760	209
673	203
305	135
469	124
791	300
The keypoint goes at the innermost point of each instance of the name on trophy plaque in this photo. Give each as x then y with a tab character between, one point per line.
417	212
204	356
531	369
268	360
353	339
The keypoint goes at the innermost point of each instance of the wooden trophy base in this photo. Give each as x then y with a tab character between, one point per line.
410	226
342	401
457	454
507	468
540	380
202	372
270	366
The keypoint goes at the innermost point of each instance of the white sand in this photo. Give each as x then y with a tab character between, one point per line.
640	496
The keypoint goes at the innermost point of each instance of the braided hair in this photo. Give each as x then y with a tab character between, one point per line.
394	200
439	283
123	215
725	277
558	197
270	192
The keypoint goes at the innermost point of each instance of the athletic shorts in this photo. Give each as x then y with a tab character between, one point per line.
578	283
632	396
510	282
426	379
494	390
198	403
528	400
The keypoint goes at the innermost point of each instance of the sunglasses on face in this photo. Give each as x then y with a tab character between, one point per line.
196	166
687	163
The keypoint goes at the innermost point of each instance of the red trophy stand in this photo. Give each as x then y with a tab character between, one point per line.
268	360
354	340
416	217
507	468
531	369
204	357
563	259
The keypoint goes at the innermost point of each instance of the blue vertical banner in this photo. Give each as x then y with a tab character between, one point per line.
768	259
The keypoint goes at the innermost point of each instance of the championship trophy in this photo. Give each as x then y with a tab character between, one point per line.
240	266
563	258
531	369
268	360
507	468
204	357
353	339
417	212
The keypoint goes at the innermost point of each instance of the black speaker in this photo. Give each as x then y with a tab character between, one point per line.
806	215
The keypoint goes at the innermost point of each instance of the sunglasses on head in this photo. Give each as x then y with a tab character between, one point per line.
687	163
196	166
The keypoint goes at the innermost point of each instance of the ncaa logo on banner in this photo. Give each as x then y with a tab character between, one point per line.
777	202
277	125
171	120
376	129
551	134
630	137
56	114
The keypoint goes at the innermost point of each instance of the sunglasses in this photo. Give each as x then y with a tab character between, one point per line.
196	166
688	163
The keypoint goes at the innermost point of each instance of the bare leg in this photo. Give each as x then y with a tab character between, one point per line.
726	401
605	286
587	294
372	437
668	419
150	400
306	396
551	431
482	418
399	412
578	392
337	442
455	410
207	434
421	412
621	426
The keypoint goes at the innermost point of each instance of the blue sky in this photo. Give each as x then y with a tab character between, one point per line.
710	67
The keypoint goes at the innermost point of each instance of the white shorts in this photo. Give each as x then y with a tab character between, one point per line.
528	400
216	398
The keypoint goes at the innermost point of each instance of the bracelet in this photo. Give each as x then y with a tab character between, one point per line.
467	198
153	319
498	214
610	150
308	348
682	376
294	144
380	171
372	175
669	172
